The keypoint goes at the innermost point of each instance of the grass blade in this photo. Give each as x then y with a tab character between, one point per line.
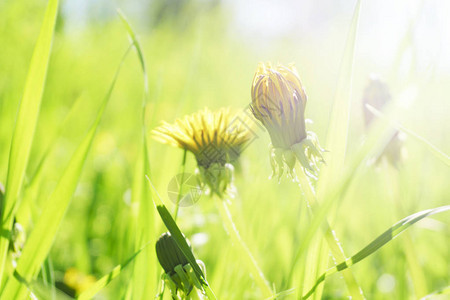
26	209
102	282
41	238
339	119
145	274
337	143
25	125
379	134
377	243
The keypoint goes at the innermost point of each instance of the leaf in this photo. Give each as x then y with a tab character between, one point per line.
26	125
26	209
377	243
336	144
339	119
145	274
41	238
379	135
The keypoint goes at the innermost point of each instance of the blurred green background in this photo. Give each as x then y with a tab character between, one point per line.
204	53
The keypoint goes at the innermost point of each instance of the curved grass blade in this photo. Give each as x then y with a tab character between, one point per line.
102	282
379	135
41	238
337	143
145	274
377	243
26	208
137	45
339	119
179	239
25	125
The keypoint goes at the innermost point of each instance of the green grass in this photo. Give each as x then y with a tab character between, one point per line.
78	185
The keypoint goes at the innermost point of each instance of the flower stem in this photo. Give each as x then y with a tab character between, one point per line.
180	190
330	238
242	248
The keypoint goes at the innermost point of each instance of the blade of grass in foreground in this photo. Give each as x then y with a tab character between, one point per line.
336	143
380	133
25	126
371	146
180	240
26	210
379	242
41	238
145	276
339	119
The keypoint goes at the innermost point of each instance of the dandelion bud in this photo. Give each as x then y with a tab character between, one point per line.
169	254
179	275
278	102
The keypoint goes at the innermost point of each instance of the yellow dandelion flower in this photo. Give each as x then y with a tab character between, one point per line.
215	138
278	102
77	281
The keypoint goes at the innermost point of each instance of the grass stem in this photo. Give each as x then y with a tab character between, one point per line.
240	246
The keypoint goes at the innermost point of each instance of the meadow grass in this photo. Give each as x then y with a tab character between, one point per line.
88	184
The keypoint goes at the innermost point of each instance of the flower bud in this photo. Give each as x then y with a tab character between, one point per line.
169	254
278	102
